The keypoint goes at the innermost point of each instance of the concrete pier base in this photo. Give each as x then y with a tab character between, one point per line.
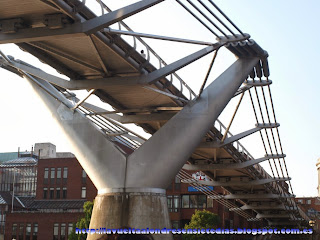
131	210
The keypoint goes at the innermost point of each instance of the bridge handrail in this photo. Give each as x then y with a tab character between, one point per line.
222	129
182	83
240	148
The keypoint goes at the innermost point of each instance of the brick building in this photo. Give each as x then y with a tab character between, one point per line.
184	199
311	206
62	187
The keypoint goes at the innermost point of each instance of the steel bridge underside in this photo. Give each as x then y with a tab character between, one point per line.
69	37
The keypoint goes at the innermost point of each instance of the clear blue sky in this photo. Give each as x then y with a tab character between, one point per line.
288	30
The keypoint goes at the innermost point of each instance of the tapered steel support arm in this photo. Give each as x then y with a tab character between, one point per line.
234	138
102	159
259	207
238	183
163	155
230	166
254	196
282	215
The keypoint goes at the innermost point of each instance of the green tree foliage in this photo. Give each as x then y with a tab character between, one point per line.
82	222
202	220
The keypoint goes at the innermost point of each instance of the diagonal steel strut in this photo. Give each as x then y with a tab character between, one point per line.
116	81
77	29
163	155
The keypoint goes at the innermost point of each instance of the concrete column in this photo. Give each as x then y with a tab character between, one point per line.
135	210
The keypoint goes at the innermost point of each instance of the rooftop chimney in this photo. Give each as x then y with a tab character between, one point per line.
47	150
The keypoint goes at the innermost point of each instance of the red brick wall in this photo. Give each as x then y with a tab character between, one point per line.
315	205
224	214
74	181
74	185
45	222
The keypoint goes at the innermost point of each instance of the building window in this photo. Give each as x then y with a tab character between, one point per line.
21	231
28	231
170	203
64	192
65	175
63	231
14	230
58	193
45	193
83	192
231	224
185	201
2	220
56	231
173	203
35	231
46	175
202	201
70	227
177	183
51	193
84	176
308	201
58	175
194	201
52	175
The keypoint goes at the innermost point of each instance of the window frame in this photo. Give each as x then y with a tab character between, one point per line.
46	175
83	192
51	193
65	175
35	231
193	201
58	193
64	193
56	231
45	193
52	175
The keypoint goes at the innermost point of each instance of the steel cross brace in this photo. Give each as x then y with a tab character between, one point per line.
115	81
254	196
238	183
260	207
77	29
230	166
